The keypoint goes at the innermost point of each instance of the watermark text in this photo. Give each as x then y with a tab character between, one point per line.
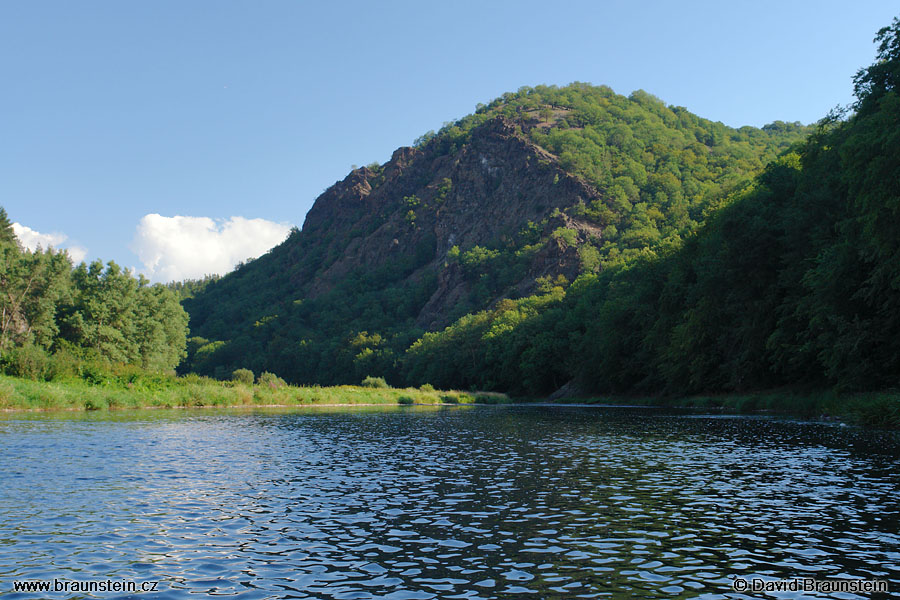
92	586
808	584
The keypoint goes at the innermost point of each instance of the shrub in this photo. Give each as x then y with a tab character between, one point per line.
244	376
64	364
92	373
426	387
29	362
465	398
270	380
93	404
405	400
491	398
375	382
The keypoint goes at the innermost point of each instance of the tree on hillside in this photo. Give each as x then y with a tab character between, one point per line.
7	235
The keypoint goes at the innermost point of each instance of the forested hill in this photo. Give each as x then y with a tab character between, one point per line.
499	211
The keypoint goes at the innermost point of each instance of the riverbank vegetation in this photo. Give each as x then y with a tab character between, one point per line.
126	387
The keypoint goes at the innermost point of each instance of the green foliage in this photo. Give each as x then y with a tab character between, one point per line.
270	380
66	363
563	234
658	167
191	287
124	319
34	284
443	190
482	350
476	258
94	373
131	387
590	259
7	235
875	410
28	361
374	382
882	77
52	316
244	376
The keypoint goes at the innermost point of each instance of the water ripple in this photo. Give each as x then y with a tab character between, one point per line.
463	503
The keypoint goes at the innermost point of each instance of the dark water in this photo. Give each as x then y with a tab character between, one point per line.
456	503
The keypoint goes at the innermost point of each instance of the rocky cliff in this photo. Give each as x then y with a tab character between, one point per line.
482	194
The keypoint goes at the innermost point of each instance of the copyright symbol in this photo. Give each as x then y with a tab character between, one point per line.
740	585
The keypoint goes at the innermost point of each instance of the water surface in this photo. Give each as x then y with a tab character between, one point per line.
407	503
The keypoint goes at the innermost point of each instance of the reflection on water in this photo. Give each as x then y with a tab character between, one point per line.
503	502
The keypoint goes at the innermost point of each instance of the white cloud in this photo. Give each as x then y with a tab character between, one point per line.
176	248
31	239
76	253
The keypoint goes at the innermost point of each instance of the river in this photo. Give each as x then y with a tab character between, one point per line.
463	502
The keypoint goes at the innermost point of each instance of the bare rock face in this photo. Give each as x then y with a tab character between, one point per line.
425	201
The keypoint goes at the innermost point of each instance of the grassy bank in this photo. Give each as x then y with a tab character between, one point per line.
159	391
129	388
871	409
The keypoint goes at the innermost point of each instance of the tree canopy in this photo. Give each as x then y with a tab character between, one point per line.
100	312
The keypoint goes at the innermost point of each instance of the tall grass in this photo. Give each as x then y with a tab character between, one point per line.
135	389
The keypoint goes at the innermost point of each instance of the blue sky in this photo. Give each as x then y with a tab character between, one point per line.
240	113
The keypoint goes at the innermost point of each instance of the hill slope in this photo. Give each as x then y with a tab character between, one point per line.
519	198
793	283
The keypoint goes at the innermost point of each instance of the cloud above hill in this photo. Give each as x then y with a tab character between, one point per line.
177	248
32	239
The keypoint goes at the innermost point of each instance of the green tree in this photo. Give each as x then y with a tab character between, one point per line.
7	235
31	286
122	319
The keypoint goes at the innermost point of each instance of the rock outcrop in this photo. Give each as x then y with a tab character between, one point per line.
425	200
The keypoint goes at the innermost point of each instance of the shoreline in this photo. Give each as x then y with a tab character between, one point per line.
76	409
146	391
133	390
